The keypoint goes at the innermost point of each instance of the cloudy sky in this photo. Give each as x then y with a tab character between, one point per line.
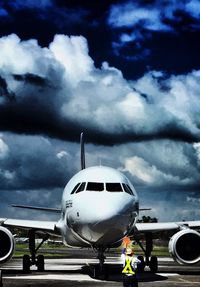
127	73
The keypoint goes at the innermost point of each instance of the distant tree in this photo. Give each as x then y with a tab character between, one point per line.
19	232
147	219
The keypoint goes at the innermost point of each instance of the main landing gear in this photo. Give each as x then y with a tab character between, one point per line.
28	261
151	261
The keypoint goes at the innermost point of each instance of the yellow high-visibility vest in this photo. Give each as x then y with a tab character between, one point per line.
128	269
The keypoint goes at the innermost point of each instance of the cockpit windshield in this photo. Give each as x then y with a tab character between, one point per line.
127	188
99	186
95	186
75	188
114	187
81	187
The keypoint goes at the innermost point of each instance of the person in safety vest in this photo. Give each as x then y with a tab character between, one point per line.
129	269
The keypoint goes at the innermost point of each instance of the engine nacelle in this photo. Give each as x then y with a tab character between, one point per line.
7	244
184	246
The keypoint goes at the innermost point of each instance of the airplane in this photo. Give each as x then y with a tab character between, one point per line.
99	208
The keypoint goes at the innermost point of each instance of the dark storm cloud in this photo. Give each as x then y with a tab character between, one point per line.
31	79
35	162
152	36
3	87
34	171
154	16
164	163
170	205
42	19
62	14
166	177
4	90
38	197
59	92
153	32
30	4
29	162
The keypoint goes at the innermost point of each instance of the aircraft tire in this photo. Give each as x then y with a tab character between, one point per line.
96	272
100	273
26	263
153	264
141	266
40	263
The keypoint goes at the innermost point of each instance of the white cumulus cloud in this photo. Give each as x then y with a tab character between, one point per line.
150	174
56	86
4	149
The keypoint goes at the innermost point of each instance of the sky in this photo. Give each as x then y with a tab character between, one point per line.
126	73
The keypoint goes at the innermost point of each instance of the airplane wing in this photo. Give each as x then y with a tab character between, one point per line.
37	208
157	226
41	226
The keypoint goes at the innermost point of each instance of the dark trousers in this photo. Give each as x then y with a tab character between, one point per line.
130	281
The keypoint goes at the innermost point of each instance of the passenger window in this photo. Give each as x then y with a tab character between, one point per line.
81	187
114	187
127	188
75	188
95	186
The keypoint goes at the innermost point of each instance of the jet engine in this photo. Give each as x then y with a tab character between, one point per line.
7	244
184	246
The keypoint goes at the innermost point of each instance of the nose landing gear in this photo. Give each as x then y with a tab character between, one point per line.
1	283
100	270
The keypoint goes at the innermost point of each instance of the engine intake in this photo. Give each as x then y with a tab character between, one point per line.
184	246
7	244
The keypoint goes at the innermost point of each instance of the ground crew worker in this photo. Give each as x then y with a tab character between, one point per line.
130	263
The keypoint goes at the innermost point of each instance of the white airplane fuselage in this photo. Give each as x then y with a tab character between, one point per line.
98	209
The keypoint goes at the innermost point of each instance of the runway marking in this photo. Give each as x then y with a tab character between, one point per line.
188	282
69	277
168	274
165	259
176	283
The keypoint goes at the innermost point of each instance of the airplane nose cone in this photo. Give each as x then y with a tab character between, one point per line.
105	219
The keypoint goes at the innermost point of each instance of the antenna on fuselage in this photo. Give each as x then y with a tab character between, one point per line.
82	151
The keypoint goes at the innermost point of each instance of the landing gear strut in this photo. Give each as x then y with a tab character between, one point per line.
151	261
28	261
100	269
1	283
101	258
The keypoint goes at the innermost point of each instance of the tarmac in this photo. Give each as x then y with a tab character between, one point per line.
80	272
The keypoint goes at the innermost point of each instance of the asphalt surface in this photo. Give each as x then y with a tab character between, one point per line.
80	272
